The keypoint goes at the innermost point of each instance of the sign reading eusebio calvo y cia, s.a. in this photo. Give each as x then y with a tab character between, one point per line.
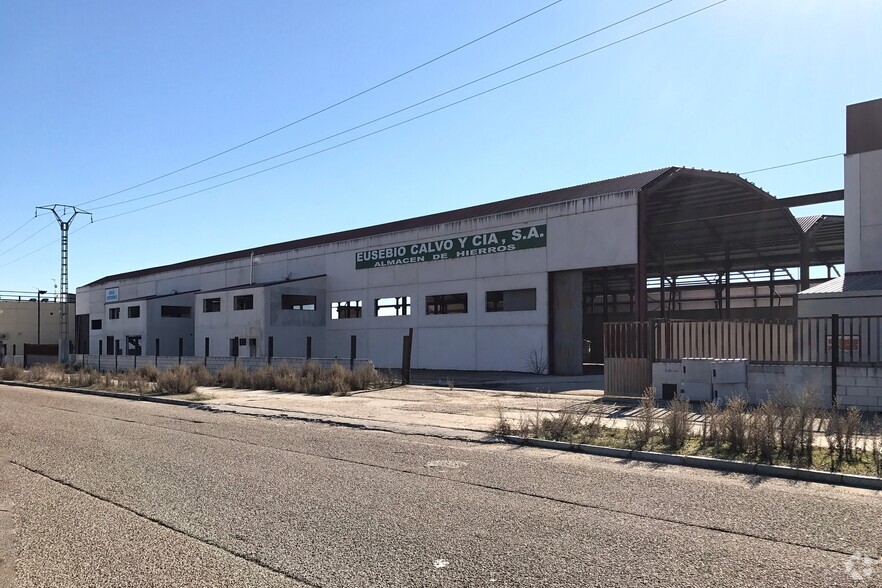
453	248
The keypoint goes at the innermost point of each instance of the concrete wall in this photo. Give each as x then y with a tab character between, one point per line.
583	233
856	386
863	212
18	323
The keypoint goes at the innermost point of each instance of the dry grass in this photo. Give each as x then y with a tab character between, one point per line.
779	431
11	372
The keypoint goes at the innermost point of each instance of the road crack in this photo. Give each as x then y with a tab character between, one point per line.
168	526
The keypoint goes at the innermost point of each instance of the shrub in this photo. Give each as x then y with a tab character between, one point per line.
675	425
263	378
202	375
233	376
762	427
84	378
11	372
735	417
47	373
176	380
711	425
148	372
562	426
641	432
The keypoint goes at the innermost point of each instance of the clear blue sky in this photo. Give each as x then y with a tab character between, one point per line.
100	95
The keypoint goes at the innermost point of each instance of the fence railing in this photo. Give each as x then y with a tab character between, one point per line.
129	362
822	341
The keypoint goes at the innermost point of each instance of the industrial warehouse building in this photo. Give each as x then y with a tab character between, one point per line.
510	285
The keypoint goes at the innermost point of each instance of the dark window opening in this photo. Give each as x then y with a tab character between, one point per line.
447	304
134	312
113	313
398	306
211	305
175	312
133	345
298	302
509	300
96	324
346	310
244	302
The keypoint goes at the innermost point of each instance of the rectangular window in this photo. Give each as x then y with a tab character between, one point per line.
397	306
134	311
447	304
113	313
211	305
508	300
175	312
298	302
345	310
96	324
244	302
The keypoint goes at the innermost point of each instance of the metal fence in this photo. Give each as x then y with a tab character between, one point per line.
129	362
824	341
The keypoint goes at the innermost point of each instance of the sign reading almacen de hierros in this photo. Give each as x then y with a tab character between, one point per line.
453	248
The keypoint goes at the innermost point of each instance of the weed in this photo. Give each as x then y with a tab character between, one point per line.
178	379
536	359
11	372
675	425
642	431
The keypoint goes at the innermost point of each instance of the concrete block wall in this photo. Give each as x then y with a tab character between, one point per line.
13	360
860	386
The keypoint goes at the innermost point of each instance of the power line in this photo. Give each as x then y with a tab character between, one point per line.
26	239
417	117
755	171
334	105
385	116
18	229
157	204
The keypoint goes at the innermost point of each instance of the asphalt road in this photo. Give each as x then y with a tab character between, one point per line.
105	492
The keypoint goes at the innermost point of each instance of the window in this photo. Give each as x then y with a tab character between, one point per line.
297	302
175	312
113	313
96	324
244	302
506	300
345	310
134	311
211	305
447	304
133	344
398	306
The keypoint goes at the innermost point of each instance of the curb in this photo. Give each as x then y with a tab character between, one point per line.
105	394
706	463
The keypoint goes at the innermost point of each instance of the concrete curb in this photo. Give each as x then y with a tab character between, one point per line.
707	463
105	394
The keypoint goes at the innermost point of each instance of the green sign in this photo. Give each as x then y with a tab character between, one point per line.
453	248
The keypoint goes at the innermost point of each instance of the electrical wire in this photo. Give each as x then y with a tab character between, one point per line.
18	229
417	117
756	171
385	116
327	108
26	239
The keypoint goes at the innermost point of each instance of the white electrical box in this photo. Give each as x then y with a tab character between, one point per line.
696	369
729	371
696	391
724	392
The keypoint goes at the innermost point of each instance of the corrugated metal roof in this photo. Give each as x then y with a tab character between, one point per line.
807	222
862	282
599	188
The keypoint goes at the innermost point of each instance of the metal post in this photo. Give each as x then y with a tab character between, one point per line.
834	363
352	348
39	299
64	221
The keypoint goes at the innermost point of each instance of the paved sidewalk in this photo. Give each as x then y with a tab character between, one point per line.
467	412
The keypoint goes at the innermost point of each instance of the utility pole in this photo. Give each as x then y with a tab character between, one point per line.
68	213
